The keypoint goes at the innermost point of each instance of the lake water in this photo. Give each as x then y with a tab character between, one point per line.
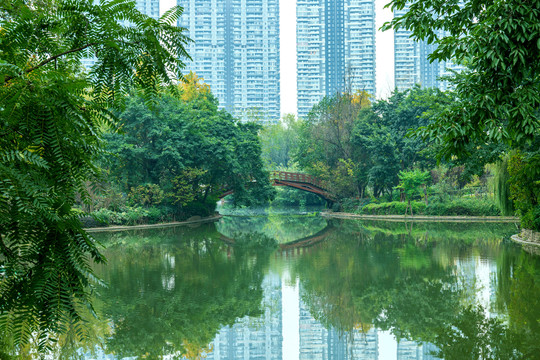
330	289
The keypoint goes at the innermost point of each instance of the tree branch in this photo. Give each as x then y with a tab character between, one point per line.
44	62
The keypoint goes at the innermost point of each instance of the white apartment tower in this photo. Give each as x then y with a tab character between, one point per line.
235	49
335	49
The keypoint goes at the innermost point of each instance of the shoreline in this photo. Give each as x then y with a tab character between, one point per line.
332	215
423	218
517	238
151	226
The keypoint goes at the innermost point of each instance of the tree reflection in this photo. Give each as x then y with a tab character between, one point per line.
409	282
358	279
173	299
170	291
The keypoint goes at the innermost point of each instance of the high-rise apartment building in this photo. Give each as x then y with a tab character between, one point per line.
335	49
148	7
235	49
411	64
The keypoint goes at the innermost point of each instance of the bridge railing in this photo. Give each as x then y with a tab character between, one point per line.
297	177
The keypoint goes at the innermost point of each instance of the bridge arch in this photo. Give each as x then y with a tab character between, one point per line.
298	181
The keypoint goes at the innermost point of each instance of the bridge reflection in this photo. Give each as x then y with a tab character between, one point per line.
297	246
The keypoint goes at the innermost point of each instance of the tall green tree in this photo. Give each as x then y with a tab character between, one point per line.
52	115
325	148
411	183
278	142
498	95
190	148
406	111
374	153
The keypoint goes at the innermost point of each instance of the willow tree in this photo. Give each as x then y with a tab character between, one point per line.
52	113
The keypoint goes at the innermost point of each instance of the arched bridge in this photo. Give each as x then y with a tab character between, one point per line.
299	181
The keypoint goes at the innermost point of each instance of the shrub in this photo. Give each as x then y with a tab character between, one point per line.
393	208
531	219
463	207
196	208
103	216
524	170
127	216
354	204
146	195
155	215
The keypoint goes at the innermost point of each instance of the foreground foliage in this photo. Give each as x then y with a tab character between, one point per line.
52	115
497	96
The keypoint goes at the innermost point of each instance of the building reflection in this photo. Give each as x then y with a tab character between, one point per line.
411	350
317	342
249	338
262	338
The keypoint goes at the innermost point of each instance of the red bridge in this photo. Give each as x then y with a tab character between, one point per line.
298	181
303	182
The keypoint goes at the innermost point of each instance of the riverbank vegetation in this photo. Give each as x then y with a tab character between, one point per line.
483	134
173	161
364	151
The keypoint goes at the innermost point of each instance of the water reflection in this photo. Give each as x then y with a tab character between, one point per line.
361	290
254	338
173	296
282	228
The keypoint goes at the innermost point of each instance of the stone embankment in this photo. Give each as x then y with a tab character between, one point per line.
530	240
340	215
527	237
192	220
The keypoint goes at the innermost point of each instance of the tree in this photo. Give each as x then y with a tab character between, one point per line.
325	146
190	148
411	182
278	142
382	146
498	95
406	111
329	127
52	115
375	154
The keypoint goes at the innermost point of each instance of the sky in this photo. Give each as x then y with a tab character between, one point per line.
287	24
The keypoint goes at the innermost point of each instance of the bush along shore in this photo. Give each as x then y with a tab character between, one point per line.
456	207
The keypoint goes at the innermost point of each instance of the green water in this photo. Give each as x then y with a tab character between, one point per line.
242	288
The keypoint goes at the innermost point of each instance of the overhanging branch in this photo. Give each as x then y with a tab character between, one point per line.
46	61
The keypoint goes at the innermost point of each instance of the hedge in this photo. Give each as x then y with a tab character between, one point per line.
462	206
